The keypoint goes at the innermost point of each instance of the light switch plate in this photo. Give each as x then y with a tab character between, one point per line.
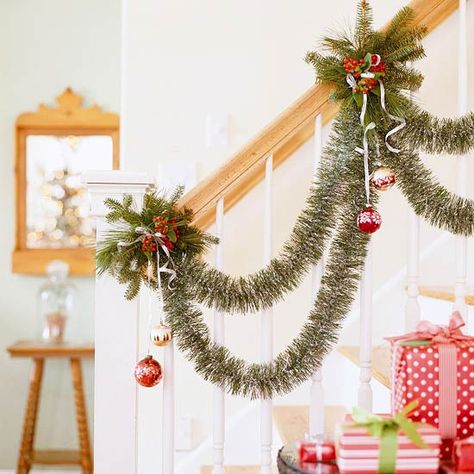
217	130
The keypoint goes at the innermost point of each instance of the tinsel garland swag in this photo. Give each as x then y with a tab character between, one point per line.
377	127
429	199
306	353
454	136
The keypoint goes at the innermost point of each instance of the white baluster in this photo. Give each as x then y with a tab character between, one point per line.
412	307
219	338
168	428
365	390
266	421
462	169
316	404
116	319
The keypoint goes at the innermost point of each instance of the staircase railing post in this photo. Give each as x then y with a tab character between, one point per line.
462	165
266	421
365	389
116	319
219	338
316	404
412	307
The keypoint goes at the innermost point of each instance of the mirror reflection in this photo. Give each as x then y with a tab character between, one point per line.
57	202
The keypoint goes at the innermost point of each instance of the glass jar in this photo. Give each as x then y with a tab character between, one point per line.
57	298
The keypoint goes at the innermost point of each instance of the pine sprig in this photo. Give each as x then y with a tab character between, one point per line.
121	251
363	28
398	44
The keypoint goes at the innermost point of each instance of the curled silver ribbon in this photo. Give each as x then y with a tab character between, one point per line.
393	117
365	150
158	238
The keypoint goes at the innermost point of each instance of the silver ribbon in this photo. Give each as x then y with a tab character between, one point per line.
393	117
365	150
158	238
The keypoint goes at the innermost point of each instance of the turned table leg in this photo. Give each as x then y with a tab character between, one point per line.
29	424
81	417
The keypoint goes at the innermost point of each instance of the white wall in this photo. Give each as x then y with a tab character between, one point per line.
45	46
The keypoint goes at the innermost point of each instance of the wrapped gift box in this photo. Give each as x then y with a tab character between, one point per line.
435	365
359	452
464	455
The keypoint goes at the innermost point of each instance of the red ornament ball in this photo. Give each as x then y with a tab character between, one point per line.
369	220
148	372
383	178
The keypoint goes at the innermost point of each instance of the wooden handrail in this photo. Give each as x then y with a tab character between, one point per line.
284	135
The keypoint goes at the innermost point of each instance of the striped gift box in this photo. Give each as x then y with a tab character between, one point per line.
358	452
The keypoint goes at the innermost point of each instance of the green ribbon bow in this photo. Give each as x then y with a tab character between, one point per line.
386	429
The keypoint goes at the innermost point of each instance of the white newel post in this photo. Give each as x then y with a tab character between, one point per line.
365	390
462	165
266	421
412	307
116	342
219	337
316	404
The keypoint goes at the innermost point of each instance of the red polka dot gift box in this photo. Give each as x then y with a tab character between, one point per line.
435	365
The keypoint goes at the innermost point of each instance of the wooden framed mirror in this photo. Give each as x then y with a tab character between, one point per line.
54	145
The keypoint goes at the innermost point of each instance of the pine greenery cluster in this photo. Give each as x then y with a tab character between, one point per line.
120	252
397	45
329	218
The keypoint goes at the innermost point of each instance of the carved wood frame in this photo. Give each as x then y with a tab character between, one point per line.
67	118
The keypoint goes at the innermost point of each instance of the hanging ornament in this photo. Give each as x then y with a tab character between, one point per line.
382	178
369	220
160	335
148	372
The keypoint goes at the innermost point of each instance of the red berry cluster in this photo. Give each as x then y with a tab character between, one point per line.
357	67
354	66
163	226
381	67
366	85
149	244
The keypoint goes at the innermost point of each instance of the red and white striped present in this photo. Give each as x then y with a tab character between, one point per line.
358	451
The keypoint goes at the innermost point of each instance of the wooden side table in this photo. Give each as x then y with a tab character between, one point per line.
39	351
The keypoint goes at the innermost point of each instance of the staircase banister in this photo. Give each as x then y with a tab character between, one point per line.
284	135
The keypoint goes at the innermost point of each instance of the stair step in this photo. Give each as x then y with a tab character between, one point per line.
237	470
444	293
292	421
380	361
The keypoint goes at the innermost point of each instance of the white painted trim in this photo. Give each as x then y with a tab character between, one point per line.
266	416
365	396
218	408
316	398
116	319
112	177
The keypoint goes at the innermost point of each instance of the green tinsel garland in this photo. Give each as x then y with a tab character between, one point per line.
333	204
304	248
306	353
